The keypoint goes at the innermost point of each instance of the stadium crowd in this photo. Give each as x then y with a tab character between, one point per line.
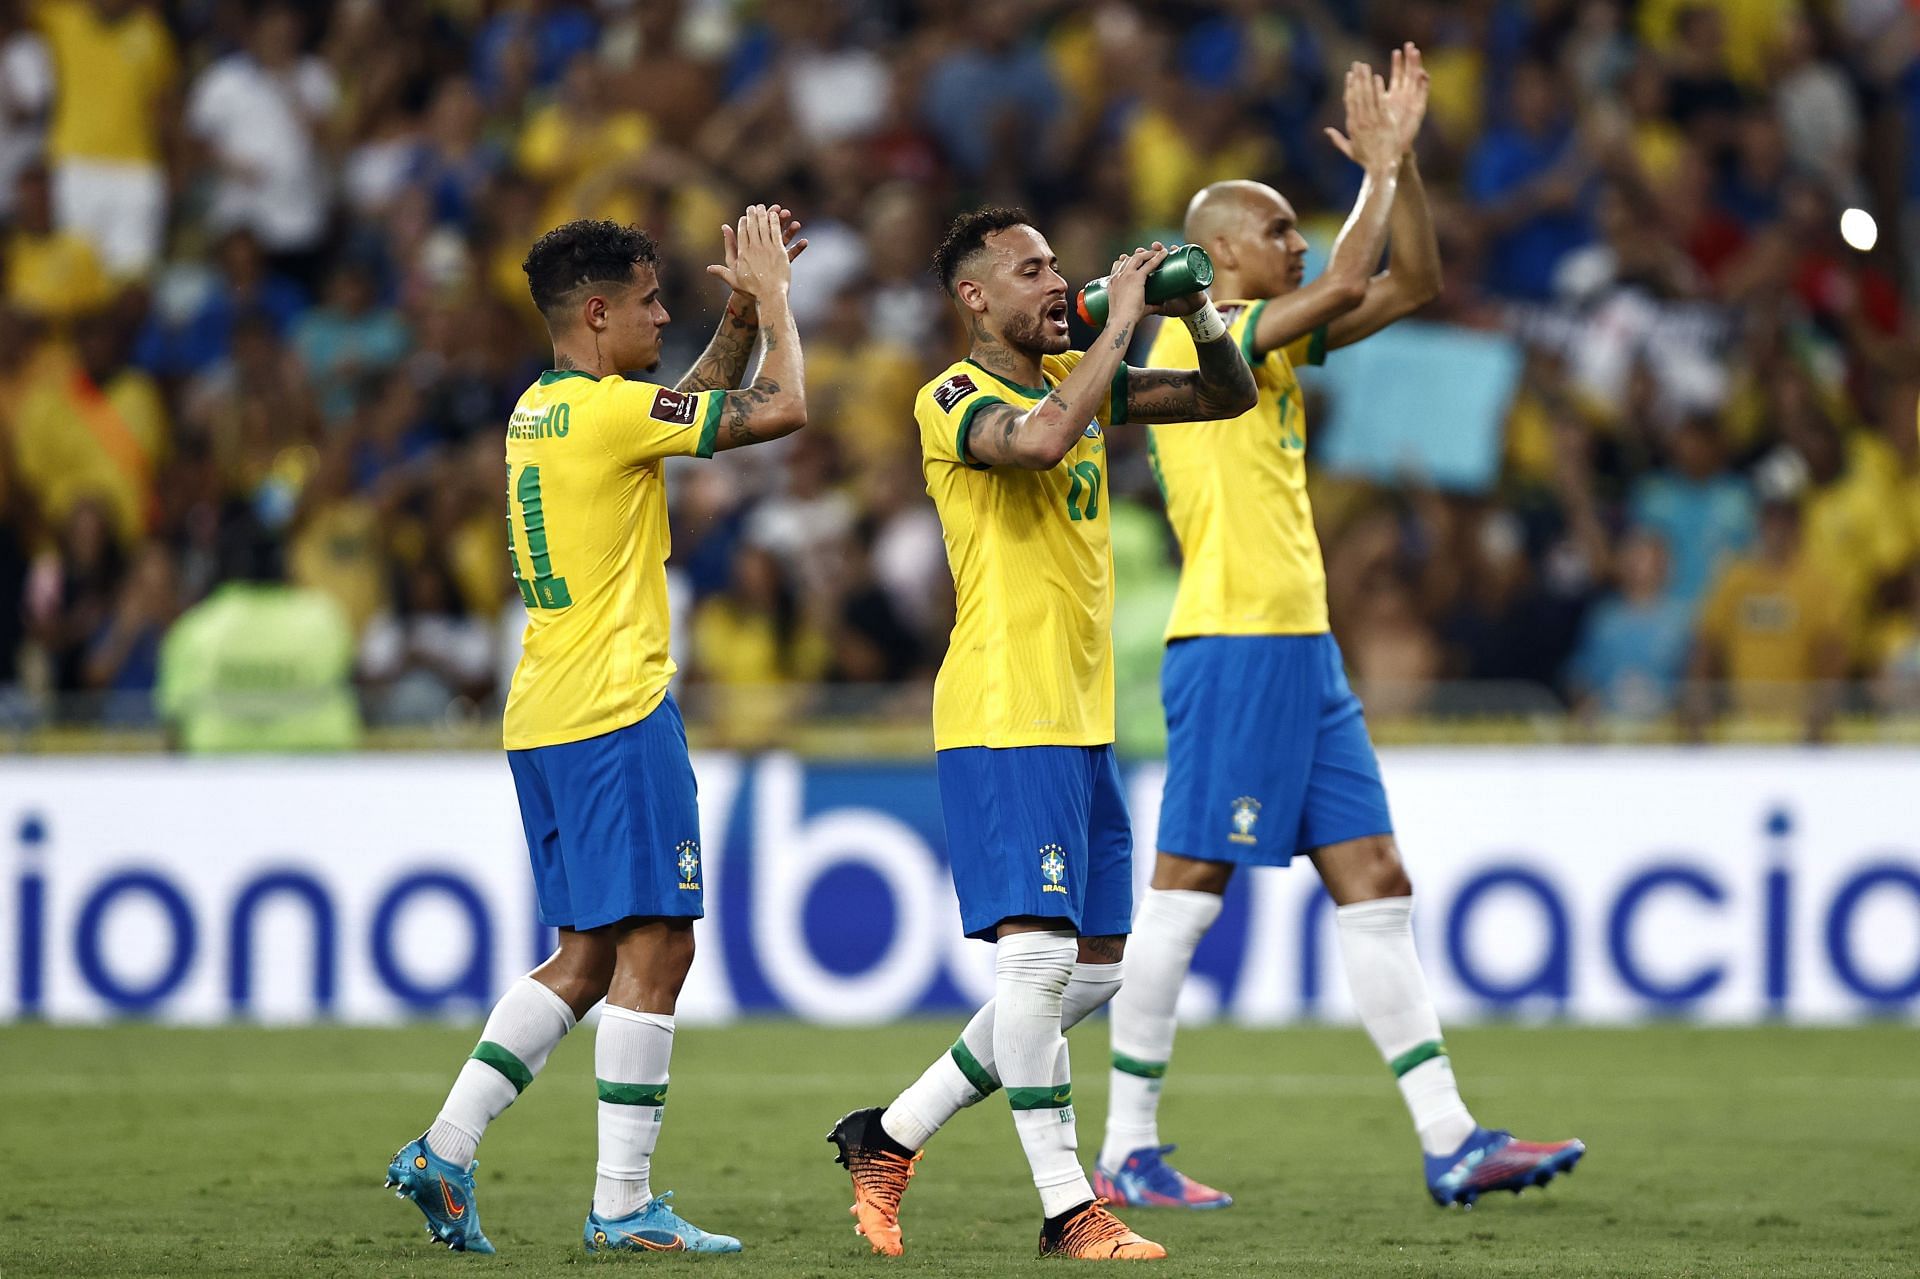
264	320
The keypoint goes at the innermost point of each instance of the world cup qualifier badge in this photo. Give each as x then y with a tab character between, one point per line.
1053	868
1246	811
689	864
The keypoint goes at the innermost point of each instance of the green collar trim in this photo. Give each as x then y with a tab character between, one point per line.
1032	392
554	375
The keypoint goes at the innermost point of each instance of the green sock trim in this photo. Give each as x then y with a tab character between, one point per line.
970	1066
1041	1098
1417	1055
1134	1066
632	1094
489	1053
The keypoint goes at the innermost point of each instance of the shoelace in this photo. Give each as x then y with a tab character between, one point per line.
883	1177
1094	1226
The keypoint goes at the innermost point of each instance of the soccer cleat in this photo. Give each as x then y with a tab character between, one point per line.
443	1192
1145	1180
880	1176
1091	1233
655	1228
1488	1161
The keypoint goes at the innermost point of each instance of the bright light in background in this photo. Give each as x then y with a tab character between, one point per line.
1858	230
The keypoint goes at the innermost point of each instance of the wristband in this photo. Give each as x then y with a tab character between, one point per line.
1205	324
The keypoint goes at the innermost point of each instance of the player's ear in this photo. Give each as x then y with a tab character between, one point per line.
971	296
1221	250
596	313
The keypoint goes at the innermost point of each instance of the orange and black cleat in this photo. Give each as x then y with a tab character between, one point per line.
881	1168
1091	1233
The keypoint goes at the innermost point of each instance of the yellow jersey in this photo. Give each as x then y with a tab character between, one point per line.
1236	495
109	78
1030	662
587	534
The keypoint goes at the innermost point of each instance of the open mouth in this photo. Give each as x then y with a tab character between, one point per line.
1057	315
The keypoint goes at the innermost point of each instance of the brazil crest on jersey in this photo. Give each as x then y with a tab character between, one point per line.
1030	662
587	533
1236	494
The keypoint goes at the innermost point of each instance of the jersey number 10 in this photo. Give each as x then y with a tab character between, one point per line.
543	590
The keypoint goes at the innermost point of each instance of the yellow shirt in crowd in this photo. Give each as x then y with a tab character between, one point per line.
109	76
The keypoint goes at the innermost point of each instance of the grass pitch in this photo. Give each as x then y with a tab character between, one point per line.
142	1151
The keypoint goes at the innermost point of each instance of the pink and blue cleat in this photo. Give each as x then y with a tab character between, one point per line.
1494	1160
1146	1180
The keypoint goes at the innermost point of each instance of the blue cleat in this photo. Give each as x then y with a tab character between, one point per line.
1146	1180
655	1228
1488	1161
443	1192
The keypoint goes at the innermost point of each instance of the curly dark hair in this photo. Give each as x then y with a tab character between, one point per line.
586	251
968	235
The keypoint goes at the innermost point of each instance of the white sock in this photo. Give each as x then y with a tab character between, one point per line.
965	1073
1168	928
1390	994
630	1056
1031	972
520	1032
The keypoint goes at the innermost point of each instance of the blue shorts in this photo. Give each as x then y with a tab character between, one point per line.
613	827
1267	750
1038	831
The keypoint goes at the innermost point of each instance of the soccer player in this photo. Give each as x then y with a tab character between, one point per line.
594	740
1268	754
1013	439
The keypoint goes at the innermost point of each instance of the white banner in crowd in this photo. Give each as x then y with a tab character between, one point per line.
1601	886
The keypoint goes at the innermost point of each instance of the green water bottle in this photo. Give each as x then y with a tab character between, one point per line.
1186	269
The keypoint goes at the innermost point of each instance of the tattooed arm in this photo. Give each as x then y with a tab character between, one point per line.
724	362
776	404
1037	438
1222	387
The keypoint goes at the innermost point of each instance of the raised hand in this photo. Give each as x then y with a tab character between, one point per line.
1373	134
729	273
1127	285
1407	86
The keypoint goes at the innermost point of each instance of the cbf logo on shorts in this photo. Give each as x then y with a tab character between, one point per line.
689	864
1246	811
1053	868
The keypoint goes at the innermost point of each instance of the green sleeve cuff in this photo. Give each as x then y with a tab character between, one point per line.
710	428
1117	396
1246	333
966	424
1317	346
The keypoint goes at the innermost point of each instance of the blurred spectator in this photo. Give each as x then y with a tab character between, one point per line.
1633	645
1775	627
992	100
1701	514
113	117
1817	110
1527	178
89	428
428	653
26	89
752	644
51	274
123	657
258	665
348	339
262	115
193	329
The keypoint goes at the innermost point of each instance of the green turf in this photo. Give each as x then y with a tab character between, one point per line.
134	1150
